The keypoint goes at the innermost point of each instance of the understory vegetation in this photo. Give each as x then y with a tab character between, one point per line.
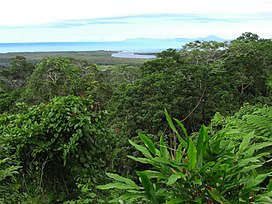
191	126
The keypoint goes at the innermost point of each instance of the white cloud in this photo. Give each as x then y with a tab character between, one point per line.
41	11
58	20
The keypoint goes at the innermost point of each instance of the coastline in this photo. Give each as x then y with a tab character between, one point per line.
134	55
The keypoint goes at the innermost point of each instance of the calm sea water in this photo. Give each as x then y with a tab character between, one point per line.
126	49
84	46
56	46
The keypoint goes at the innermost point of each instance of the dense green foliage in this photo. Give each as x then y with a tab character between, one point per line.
202	169
196	82
13	81
65	122
58	145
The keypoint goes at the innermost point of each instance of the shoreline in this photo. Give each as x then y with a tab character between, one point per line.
134	55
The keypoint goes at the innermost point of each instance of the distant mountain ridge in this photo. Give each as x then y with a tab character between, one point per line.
212	37
152	40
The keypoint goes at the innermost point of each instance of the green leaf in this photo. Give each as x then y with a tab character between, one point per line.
173	178
269	186
161	160
179	154
209	165
256	159
120	186
216	196
127	198
165	162
251	182
162	192
262	145
122	179
192	153
148	143
245	143
155	174
202	146
182	128
139	159
9	172
175	201
198	182
3	160
170	122
250	168
163	149
264	200
148	186
141	149
224	167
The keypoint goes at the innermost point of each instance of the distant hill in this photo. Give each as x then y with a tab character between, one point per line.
212	37
157	44
171	40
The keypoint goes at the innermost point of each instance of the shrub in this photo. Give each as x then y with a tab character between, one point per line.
202	169
58	145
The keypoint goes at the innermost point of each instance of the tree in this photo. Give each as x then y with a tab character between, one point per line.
249	67
192	82
13	81
58	77
198	81
15	76
140	105
248	37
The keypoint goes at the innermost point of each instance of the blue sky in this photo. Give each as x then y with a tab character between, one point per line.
107	20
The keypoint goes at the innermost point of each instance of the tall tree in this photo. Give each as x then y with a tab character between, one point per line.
58	77
250	67
13	81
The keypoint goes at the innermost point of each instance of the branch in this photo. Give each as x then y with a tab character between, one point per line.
198	103
41	178
244	88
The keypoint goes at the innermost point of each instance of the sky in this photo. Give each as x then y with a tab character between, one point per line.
116	20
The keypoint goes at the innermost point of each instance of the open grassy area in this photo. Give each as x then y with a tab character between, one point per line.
93	57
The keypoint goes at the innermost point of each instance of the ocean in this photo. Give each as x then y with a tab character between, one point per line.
84	46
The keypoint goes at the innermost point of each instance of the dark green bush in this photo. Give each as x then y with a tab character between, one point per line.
59	145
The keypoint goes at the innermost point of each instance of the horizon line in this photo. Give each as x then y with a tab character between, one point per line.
112	41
